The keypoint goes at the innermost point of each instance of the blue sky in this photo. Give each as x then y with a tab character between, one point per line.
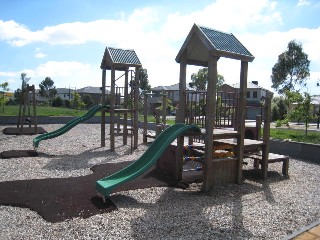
65	39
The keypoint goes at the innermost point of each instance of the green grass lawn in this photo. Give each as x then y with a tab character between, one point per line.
44	111
275	133
295	135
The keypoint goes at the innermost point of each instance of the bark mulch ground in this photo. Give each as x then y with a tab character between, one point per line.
59	199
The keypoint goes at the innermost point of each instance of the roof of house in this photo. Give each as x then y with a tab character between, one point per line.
315	100
202	40
250	85
119	58
174	87
89	89
64	90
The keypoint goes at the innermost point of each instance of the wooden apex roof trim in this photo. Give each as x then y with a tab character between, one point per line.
119	58
202	41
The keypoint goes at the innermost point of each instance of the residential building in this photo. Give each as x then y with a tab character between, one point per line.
255	97
172	93
65	93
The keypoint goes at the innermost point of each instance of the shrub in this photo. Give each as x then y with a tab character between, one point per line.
57	102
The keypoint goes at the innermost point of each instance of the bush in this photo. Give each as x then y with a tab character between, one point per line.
279	123
275	113
66	103
57	102
87	100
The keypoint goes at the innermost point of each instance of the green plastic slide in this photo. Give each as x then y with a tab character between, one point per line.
106	185
68	126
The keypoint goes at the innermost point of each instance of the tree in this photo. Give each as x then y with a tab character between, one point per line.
200	80
278	108
3	97
301	107
143	80
292	69
47	88
24	81
57	102
87	100
76	102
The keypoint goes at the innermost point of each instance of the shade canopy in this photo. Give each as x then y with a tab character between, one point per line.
202	40
119	58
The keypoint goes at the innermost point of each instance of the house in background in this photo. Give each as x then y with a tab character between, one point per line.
94	92
315	102
65	93
255	97
172	92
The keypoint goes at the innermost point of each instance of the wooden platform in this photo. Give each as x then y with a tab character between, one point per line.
273	157
248	143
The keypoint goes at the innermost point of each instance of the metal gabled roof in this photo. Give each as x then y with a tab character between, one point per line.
119	58
203	40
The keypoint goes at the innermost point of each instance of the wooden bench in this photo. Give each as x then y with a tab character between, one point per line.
273	157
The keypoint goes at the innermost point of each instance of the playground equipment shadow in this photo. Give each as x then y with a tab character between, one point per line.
59	199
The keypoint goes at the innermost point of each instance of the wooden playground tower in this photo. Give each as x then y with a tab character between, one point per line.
116	59
27	97
204	47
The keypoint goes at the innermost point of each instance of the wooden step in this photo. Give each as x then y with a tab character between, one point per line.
273	157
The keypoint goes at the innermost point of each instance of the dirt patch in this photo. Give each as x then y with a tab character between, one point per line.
18	154
25	131
58	199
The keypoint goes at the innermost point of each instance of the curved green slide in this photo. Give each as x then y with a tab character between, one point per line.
106	185
68	126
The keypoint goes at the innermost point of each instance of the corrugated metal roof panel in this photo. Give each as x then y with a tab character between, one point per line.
225	41
119	58
203	40
124	56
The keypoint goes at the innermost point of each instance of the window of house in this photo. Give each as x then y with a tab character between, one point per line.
255	94
248	94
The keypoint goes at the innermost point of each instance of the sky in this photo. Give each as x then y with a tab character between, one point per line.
65	39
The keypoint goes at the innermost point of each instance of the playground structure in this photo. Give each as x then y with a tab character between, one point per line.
25	115
220	115
206	121
119	102
116	59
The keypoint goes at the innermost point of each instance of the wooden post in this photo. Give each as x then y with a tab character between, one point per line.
164	109
103	112
136	109
145	118
180	118
117	105
125	105
28	105
112	107
266	138
34	104
210	121
241	117
25	98
258	127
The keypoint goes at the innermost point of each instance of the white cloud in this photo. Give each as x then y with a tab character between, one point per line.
7	74
157	39
303	3
40	55
64	74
